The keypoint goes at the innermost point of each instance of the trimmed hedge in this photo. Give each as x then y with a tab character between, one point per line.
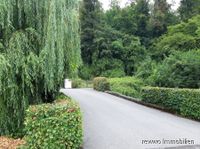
101	84
57	125
185	102
129	86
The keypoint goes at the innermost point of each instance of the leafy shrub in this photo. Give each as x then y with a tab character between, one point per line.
191	105
108	67
57	125
101	84
85	72
129	86
180	37
78	83
114	73
146	68
185	102
182	69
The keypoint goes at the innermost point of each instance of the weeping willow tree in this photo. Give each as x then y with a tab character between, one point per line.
39	47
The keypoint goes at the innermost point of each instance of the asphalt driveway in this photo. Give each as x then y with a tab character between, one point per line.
114	123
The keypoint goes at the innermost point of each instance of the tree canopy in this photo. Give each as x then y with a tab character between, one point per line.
144	39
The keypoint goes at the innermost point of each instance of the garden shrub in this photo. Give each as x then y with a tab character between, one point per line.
78	83
101	84
181	69
129	86
185	102
85	72
191	105
57	125
103	67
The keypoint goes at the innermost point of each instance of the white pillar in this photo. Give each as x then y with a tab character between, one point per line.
67	84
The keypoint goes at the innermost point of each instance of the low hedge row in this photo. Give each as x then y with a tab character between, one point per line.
129	86
185	102
57	125
101	84
79	83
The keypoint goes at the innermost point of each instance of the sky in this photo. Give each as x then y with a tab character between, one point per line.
175	3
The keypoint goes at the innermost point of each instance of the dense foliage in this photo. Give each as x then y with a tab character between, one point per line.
148	41
101	84
79	83
189	8
56	125
181	69
39	46
143	39
128	86
181	101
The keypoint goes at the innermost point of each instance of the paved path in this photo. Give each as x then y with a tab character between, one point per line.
114	123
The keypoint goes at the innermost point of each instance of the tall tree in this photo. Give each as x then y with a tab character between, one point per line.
160	16
91	12
189	8
114	4
41	46
122	19
142	18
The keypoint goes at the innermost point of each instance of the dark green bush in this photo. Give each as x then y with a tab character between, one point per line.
107	67
101	84
85	72
129	86
185	102
57	125
181	69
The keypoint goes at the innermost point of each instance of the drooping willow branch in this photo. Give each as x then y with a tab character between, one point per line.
40	46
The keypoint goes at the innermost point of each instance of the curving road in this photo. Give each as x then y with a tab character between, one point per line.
114	123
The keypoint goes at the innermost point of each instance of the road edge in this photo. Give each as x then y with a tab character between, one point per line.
138	101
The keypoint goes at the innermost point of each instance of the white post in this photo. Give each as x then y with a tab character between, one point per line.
67	84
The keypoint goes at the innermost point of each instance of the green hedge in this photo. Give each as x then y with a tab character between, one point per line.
101	84
129	86
78	83
57	125
185	102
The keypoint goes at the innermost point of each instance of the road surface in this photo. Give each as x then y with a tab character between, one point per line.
114	123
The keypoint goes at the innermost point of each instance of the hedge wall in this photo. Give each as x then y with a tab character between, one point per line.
185	102
56	125
129	86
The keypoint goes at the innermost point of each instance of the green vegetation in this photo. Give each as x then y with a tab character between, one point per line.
181	101
79	83
57	125
39	47
101	84
181	69
145	43
189	8
128	86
